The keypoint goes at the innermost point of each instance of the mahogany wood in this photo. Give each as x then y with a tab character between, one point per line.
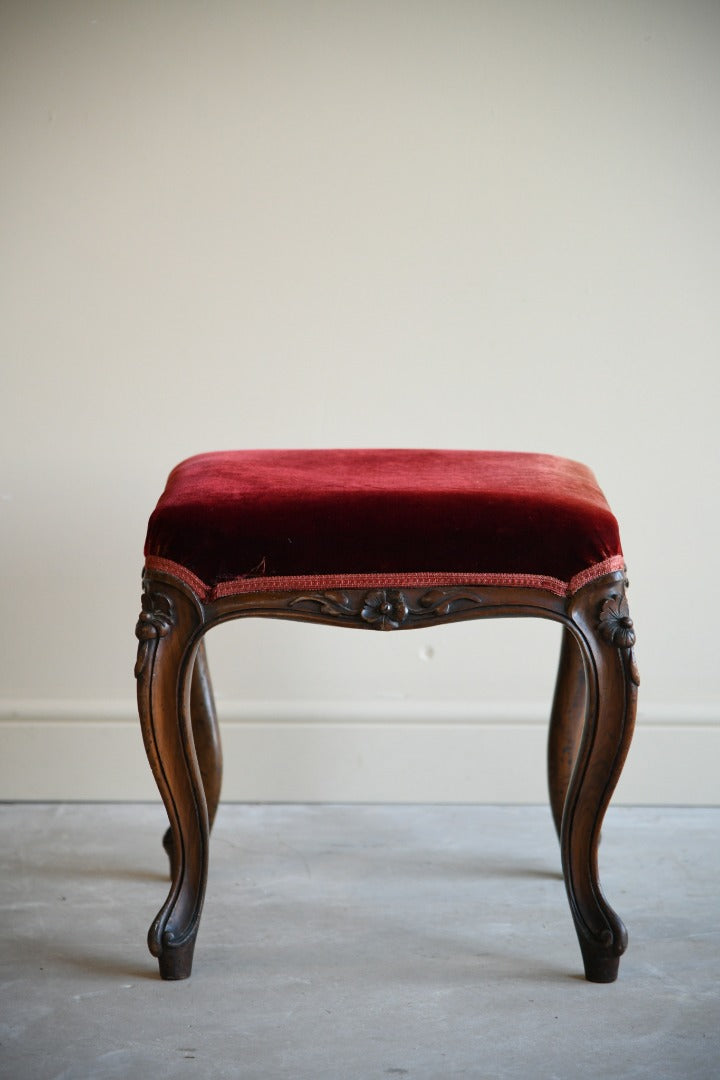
591	725
566	723
206	738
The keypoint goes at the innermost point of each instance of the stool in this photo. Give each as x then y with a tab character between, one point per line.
385	540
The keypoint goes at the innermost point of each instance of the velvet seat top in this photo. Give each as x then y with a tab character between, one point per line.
255	520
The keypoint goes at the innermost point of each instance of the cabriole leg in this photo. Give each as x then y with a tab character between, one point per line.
166	629
206	736
566	723
606	635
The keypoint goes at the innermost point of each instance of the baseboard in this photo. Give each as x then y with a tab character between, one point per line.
391	752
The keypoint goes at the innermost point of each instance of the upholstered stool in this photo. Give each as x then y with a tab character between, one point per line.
385	540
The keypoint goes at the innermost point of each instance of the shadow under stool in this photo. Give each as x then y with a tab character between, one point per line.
385	540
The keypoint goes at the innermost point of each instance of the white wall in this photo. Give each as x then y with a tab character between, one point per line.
462	224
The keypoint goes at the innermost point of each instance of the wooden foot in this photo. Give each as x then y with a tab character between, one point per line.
175	961
605	635
168	630
599	967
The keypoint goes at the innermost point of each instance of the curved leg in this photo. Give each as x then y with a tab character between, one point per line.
206	732
206	736
167	626
566	723
606	636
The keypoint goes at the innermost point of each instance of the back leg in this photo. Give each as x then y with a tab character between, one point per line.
206	736
566	723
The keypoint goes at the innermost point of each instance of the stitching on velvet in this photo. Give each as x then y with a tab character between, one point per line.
167	566
360	581
239	586
615	562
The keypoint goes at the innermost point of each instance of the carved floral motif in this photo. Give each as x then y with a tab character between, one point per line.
157	617
389	609
616	627
156	620
385	609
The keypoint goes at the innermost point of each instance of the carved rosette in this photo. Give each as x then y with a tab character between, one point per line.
616	627
385	609
388	609
156	620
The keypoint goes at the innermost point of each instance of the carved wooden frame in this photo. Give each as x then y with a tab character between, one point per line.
591	724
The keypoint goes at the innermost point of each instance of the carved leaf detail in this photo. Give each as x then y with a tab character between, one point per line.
331	603
389	609
442	601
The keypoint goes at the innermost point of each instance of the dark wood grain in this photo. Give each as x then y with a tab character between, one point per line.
206	737
567	718
590	729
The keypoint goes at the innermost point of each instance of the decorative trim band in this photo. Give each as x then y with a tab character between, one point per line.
318	582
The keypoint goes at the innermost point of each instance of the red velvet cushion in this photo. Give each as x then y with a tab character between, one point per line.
275	514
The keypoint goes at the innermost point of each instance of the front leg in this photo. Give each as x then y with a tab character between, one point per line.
605	634
167	631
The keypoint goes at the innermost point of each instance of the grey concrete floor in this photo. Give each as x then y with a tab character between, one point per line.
354	943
